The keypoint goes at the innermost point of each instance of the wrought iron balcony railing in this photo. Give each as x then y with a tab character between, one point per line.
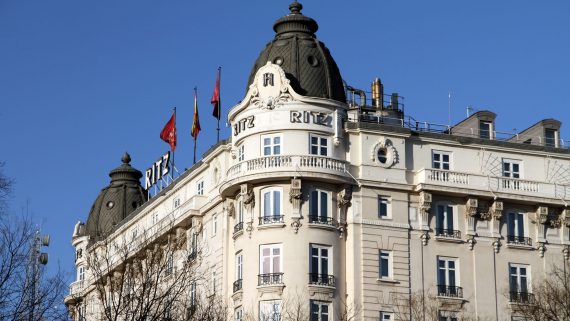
270	279
450	291
238	227
322	220
271	219
321	279
237	285
519	240
454	234
521	297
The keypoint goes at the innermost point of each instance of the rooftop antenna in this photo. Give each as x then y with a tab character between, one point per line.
449	108
469	109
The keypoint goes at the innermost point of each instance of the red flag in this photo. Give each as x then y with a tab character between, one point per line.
215	101
196	123
168	133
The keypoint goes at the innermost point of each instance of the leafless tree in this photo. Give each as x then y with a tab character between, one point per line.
420	307
145	278
27	291
550	300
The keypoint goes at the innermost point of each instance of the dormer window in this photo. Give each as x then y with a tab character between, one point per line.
550	137
485	129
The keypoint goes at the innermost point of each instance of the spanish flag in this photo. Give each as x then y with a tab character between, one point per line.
196	123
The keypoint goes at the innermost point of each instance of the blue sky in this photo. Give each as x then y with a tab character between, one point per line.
81	82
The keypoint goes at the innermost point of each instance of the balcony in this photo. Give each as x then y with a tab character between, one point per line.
322	279
519	240
437	179
238	285
521	297
449	291
238	227
270	279
447	233
328	221
76	287
274	219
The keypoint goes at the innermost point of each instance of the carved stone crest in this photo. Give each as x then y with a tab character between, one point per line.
384	153
248	196
270	89
296	197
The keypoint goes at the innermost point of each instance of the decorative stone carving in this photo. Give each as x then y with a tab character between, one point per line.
270	89
471	241
497	245
497	210
231	209
541	218
296	224
484	212
384	153
343	202
424	237
496	213
566	252
248	196
296	197
424	207
541	249
471	207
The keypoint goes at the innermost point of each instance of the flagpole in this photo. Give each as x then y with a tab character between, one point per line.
195	99
219	101
173	167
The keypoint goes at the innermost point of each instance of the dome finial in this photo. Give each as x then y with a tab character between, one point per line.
295	7
126	159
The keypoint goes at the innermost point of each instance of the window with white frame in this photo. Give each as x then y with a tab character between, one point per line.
319	201
321	268
270	264
385	264
448	277
383	207
81	273
241	152
193	297
169	264
271	144
485	129
386	316
550	137
270	310
516	232
319	311
271	206
238	314
319	145
511	168
445	224
519	282
239	266
441	160
200	187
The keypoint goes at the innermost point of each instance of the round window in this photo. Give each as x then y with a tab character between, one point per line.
382	155
110	204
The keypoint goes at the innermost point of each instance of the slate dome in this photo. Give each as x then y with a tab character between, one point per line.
116	201
306	61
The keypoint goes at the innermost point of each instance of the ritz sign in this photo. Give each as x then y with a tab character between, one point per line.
157	171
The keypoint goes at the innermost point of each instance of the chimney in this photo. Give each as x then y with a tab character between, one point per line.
377	94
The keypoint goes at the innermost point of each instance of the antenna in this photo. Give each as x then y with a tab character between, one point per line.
449	108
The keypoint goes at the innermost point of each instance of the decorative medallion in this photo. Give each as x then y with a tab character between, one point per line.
270	88
384	153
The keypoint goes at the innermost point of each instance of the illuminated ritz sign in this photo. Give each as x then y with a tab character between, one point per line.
158	170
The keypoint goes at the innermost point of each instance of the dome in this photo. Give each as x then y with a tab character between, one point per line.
116	201
306	61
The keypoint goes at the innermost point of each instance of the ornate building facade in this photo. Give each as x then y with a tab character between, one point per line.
340	203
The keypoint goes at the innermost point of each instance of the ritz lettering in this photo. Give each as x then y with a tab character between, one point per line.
311	117
158	170
243	124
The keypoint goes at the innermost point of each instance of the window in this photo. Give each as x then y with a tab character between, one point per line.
214	225
270	310
319	207
213	285
385	264
511	168
485	129
382	155
193	294
200	188
271	145
177	202
240	212
239	266
516	229
445	222
319	145
386	316
519	283
154	218
169	264
383	207
447	269
321	269
319	311
238	314
271	206
241	153
550	137
81	273
447	316
81	312
270	264
441	160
